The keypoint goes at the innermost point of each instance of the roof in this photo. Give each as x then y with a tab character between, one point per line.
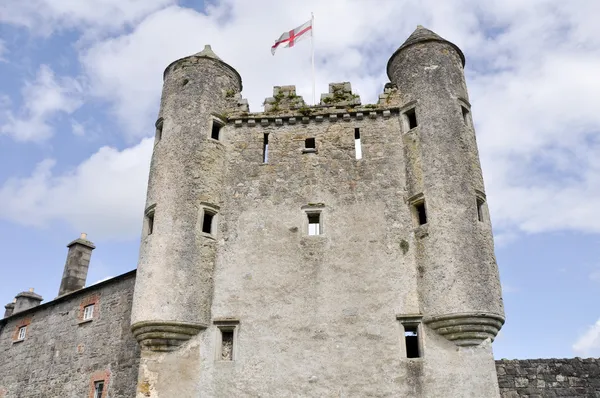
421	35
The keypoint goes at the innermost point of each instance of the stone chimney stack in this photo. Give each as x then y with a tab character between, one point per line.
76	267
26	300
9	308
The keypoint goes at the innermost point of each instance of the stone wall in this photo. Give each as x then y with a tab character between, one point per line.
549	378
62	355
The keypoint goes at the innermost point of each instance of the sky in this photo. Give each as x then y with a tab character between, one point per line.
80	84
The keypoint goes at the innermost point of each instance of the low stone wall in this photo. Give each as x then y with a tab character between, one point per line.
547	378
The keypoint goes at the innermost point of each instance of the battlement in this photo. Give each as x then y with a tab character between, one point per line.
340	103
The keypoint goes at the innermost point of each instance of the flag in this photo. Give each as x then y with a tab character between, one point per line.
288	39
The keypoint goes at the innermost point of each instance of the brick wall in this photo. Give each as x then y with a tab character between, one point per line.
548	378
61	355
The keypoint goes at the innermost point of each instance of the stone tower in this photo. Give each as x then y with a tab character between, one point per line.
332	250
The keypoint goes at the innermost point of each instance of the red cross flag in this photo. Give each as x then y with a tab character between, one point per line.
288	39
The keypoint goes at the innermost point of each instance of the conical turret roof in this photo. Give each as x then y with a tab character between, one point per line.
422	34
208	53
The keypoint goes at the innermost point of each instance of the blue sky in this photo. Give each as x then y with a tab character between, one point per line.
80	89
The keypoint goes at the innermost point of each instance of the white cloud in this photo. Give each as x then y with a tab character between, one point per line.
103	196
47	16
588	344
43	100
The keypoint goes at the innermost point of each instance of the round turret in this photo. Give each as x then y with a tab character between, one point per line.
458	276
173	290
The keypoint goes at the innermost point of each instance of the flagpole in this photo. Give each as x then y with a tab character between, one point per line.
312	54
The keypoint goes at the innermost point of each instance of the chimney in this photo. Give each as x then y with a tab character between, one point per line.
76	267
26	300
9	308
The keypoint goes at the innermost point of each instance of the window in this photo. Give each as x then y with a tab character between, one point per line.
150	222
480	203
98	388
207	222
22	333
266	148
88	312
309	143
465	115
421	215
226	344
314	223
159	128
411	339
357	146
410	119
215	133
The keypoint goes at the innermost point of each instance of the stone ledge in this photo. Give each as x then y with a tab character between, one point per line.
333	116
466	329
164	335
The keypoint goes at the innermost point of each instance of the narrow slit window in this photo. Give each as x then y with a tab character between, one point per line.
465	115
480	209
88	312
207	222
98	388
227	344
215	133
420	212
357	146
159	128
314	223
309	143
411	338
266	148
150	220
22	333
410	117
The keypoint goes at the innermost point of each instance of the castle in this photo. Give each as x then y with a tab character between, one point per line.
337	250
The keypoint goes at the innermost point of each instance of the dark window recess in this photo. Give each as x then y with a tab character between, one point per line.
479	209
357	145
159	128
226	345
465	114
216	130
98	389
357	133
150	218
207	222
266	148
411	118
421	214
309	143
411	337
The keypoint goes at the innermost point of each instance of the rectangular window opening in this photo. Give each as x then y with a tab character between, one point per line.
314	223
309	143
88	312
480	209
411	118
266	148
357	146
465	114
411	338
216	130
98	388
22	333
207	222
421	214
150	219
227	344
